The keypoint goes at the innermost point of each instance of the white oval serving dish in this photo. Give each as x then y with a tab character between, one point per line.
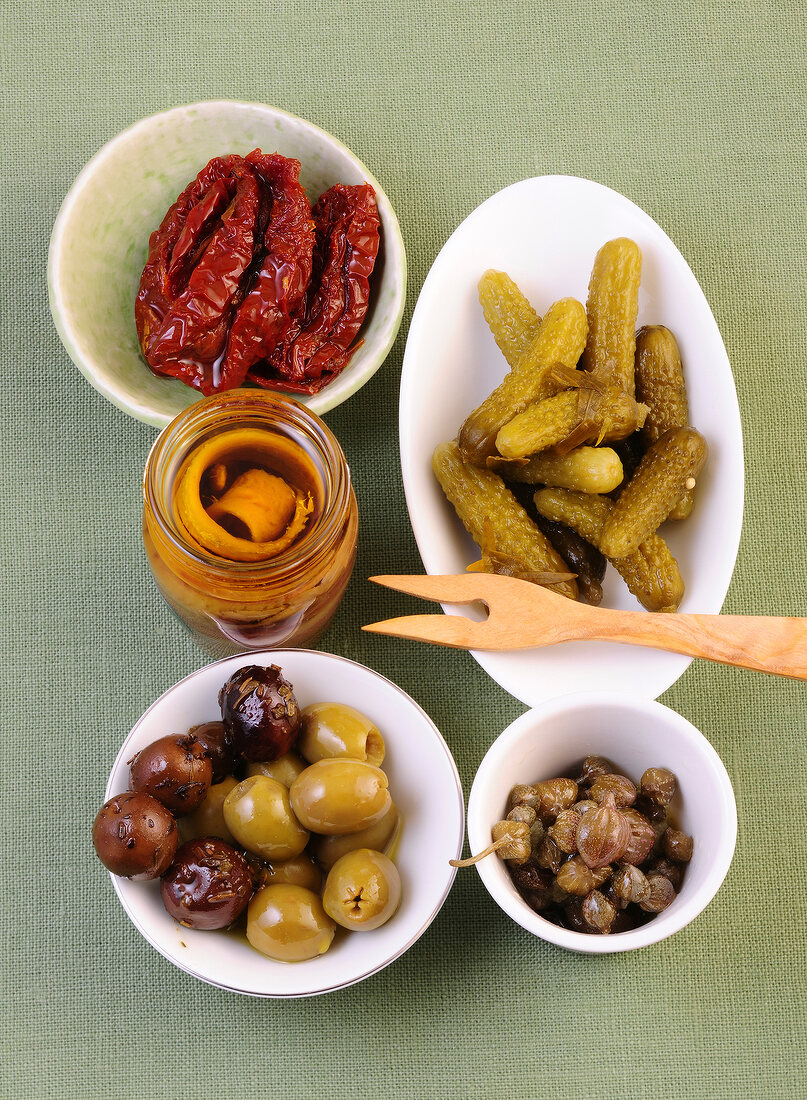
544	232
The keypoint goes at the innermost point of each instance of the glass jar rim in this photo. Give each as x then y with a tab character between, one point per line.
226	410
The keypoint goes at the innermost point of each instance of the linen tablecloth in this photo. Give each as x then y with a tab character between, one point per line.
698	113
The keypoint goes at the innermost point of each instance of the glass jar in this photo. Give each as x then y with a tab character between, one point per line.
287	600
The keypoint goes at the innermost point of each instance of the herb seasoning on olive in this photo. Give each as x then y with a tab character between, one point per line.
208	885
260	713
610	857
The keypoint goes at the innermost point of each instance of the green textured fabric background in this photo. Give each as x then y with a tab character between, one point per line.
697	112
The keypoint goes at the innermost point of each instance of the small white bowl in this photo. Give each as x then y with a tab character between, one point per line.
423	781
635	734
100	240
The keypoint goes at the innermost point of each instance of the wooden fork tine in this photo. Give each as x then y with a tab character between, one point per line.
462	588
450	630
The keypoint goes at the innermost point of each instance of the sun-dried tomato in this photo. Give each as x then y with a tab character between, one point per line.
195	276
318	344
280	284
244	280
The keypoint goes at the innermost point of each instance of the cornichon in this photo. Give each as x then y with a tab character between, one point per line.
512	320
549	422
651	572
491	514
660	385
611	308
589	469
560	339
662	477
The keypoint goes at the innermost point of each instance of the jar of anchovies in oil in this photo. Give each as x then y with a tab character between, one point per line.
250	521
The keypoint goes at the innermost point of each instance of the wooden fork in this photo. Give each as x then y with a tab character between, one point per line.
522	615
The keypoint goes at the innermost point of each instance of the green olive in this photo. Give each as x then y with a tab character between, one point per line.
208	819
288	923
258	814
339	796
285	768
327	849
298	871
334	730
362	891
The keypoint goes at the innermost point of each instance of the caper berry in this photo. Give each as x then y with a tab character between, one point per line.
619	786
677	845
630	884
662	893
603	834
522	812
564	831
673	871
524	794
598	911
529	876
658	784
594	766
575	877
642	837
549	855
556	795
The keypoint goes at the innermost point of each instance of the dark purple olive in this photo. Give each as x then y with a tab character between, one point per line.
208	885
214	738
260	713
135	836
176	770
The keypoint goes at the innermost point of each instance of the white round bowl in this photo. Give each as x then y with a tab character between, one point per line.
635	734
100	241
424	783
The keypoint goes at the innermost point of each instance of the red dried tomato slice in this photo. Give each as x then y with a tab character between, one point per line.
318	343
279	287
196	275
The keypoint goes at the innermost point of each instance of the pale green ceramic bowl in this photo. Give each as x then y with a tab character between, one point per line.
100	239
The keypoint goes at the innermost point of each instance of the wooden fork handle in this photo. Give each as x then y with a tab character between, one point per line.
762	643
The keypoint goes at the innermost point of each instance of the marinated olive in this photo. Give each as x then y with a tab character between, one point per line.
214	738
135	836
286	768
336	730
208	819
362	891
208	885
327	849
258	814
340	796
260	713
298	871
288	923
176	770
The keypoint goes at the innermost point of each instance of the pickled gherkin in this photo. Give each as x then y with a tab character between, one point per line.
666	471
611	308
660	385
512	320
589	469
560	339
550	422
484	504
651	572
